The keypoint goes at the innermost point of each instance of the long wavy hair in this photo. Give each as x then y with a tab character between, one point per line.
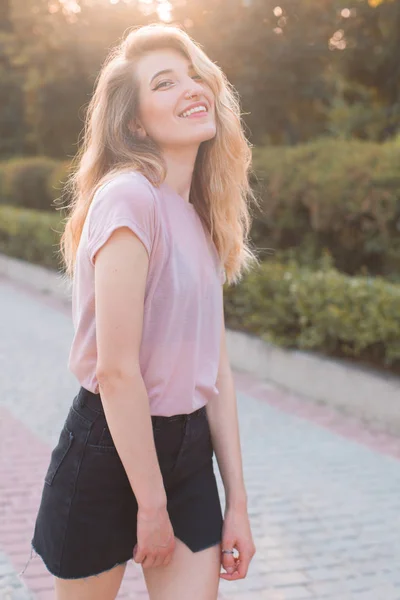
220	189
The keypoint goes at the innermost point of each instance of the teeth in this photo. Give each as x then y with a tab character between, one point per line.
193	110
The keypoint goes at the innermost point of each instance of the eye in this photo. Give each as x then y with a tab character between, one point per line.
161	84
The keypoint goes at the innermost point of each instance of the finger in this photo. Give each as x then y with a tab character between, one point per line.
228	560
229	576
148	562
235	574
159	560
138	554
243	565
169	554
166	561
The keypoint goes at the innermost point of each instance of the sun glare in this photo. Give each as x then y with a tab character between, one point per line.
163	8
164	11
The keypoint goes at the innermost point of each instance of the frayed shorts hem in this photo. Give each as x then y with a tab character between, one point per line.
122	562
59	576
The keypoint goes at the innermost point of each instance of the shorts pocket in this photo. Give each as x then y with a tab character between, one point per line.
100	439
105	445
59	453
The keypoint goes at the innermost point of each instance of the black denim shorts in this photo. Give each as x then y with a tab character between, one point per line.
87	518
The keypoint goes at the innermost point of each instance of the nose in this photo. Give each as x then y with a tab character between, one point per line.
194	88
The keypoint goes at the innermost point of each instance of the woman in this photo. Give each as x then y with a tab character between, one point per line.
158	221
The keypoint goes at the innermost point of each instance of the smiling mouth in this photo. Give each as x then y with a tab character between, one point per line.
202	110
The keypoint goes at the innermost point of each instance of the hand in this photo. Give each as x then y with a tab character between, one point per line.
156	541
236	533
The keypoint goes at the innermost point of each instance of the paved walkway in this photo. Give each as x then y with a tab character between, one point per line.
324	491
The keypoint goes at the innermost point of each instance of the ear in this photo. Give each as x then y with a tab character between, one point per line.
136	128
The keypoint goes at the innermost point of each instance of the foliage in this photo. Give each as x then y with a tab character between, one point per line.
25	182
59	56
372	38
320	310
12	127
343	196
31	235
301	68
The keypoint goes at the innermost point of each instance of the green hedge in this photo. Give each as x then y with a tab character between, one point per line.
31	235
321	310
32	182
343	196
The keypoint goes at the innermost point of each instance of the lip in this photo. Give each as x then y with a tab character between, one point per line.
194	106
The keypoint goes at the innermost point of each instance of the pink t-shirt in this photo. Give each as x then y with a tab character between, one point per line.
183	305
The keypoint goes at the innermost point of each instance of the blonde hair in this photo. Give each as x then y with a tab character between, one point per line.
220	190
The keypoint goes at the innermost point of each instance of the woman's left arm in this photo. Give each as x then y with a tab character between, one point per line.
224	426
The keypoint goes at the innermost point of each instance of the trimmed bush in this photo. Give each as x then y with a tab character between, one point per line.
31	235
322	310
343	196
25	182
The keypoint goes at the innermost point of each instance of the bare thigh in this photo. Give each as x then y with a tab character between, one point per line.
193	575
104	586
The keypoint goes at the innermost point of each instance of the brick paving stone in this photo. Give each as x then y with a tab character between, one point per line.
289	578
46	595
323	489
296	593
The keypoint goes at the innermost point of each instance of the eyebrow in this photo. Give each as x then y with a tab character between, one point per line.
164	71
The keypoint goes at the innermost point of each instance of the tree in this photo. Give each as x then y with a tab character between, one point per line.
60	53
12	129
371	63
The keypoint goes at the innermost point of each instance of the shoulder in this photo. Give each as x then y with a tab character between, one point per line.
127	195
128	185
125	200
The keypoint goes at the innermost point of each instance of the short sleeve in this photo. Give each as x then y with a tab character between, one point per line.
125	201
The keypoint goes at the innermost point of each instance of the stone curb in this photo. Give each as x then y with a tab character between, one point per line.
364	393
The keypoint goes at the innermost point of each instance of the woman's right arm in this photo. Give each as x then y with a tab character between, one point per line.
121	267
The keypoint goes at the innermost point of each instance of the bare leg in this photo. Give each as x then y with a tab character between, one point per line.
104	586
193	575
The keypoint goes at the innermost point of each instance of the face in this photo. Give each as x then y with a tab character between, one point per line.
164	99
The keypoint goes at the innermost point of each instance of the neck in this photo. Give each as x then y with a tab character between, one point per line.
180	165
